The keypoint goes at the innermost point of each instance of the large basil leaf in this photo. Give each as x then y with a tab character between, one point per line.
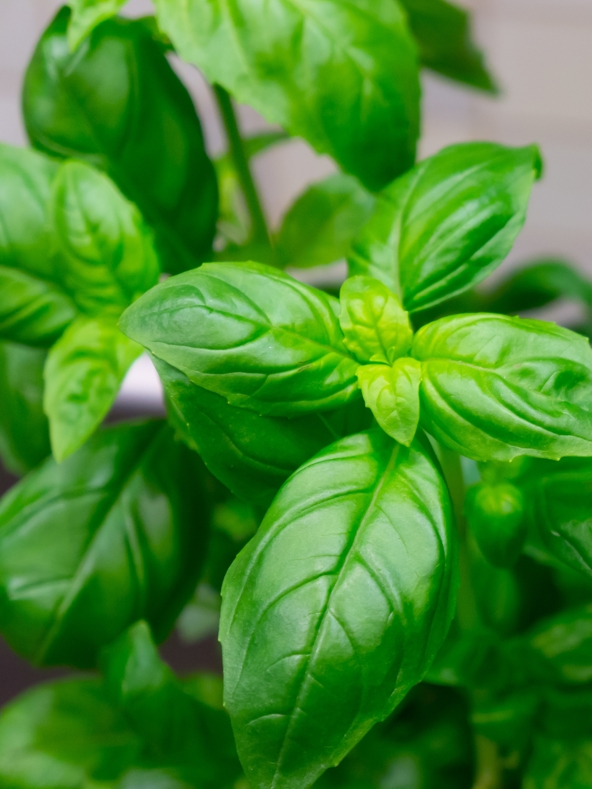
354	93
443	33
83	374
450	221
113	534
323	222
86	15
251	334
24	432
117	104
106	248
252	455
495	387
337	606
34	309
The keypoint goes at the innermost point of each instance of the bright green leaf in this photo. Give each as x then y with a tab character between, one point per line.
375	326
392	394
250	333
448	223
83	374
495	387
337	606
117	104
24	431
87	547
354	93
321	225
86	15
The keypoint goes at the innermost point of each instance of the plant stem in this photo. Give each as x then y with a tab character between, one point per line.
241	163
489	768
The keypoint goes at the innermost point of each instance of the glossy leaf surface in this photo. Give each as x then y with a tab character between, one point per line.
117	104
355	92
34	309
337	606
24	431
83	374
392	394
252	455
375	326
113	534
321	225
249	333
443	33
86	15
450	221
496	515
495	387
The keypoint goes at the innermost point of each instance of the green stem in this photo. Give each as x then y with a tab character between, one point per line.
489	767
241	163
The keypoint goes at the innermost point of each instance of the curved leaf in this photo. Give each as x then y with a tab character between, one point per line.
450	221
251	334
562	645
113	534
337	606
495	387
24	432
252	455
34	309
497	519
354	93
86	15
116	103
392	394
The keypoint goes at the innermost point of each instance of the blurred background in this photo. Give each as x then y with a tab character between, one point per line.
540	52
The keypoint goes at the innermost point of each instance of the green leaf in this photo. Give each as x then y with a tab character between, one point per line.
495	387
87	547
83	374
86	15
375	326
65	735
496	516
249	333
443	33
507	720
34	309
117	104
321	225
337	606
448	223
557	764
392	394
355	92
201	616
252	455
562	645
24	431
107	249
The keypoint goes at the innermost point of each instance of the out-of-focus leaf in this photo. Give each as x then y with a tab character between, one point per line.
86	15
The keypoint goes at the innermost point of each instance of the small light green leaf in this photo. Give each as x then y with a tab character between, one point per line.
337	606
250	333
392	394
321	225
24	430
83	374
446	224
86	15
107	249
495	387
114	534
354	93
496	516
375	326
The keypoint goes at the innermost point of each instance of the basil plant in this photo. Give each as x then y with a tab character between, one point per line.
378	495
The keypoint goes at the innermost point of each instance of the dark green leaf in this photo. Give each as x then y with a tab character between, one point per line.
337	606
556	764
450	221
33	306
117	104
562	646
354	93
321	225
86	15
83	374
113	534
252	455
392	394
497	519
249	333
443	33
24	432
495	387
507	720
